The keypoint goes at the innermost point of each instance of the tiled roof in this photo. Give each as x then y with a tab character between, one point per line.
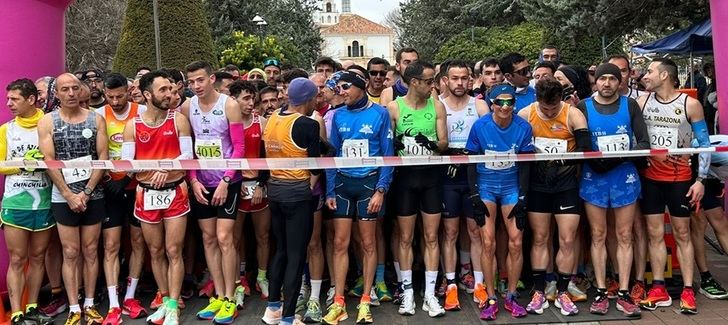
355	24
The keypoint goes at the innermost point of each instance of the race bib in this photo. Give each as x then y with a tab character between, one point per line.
358	148
412	148
498	165
663	138
549	145
208	148
617	142
158	200
75	175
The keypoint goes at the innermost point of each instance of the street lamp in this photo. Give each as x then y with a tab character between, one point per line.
260	22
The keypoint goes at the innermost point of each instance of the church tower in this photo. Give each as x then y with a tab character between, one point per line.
328	14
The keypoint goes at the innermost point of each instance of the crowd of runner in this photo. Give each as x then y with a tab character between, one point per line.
578	224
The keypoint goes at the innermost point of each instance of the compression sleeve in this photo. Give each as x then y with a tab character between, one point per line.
128	152
583	140
4	151
385	142
185	147
700	129
238	143
524	177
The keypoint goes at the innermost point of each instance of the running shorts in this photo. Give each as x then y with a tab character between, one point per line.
564	202
418	190
169	202
30	220
657	195
226	211
616	188
353	196
94	213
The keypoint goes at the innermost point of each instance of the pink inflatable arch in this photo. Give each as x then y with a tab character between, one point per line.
33	42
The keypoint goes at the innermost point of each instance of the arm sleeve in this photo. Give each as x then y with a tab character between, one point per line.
385	141
185	147
4	151
700	129
128	152
238	143
524	168
639	128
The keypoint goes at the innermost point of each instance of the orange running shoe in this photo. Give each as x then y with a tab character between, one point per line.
638	292
657	297
451	298
480	296
687	301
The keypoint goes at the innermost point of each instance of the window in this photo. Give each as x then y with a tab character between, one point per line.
361	50
336	19
328	7
355	49
349	51
322	19
328	19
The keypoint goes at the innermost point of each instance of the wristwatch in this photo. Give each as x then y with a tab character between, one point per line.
700	179
381	190
88	190
226	179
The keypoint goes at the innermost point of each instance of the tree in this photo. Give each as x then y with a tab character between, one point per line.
525	38
92	33
426	24
250	51
184	36
289	21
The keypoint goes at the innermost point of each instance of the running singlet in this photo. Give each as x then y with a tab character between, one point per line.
486	137
668	128
26	190
252	137
374	99
157	143
610	132
279	144
552	136
361	133
75	142
459	123
412	122
212	138
115	130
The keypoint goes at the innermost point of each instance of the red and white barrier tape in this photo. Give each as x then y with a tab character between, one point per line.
338	162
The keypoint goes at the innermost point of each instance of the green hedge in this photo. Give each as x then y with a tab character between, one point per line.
184	35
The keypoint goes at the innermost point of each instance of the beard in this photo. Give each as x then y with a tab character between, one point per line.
163	104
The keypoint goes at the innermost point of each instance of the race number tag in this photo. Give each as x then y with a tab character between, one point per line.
208	148
158	200
549	145
412	148
27	177
358	148
75	175
663	138
617	142
249	189
500	164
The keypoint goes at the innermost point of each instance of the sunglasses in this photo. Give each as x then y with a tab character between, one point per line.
346	86
380	73
503	102
271	62
428	81
522	71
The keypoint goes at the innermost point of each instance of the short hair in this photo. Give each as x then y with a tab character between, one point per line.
549	91
46	80
146	81
547	64
669	66
618	56
115	80
415	70
220	76
289	75
489	62
25	86
231	67
377	60
142	68
259	84
550	47
454	64
325	60
177	75
267	90
506	63
238	86
199	65
398	55
361	69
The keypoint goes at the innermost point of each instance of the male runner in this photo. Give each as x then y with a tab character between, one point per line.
360	130
673	120
217	127
162	200
94	78
26	204
272	68
404	57
291	134
517	72
622	62
120	193
462	111
420	128
557	128
501	184
490	76
267	101
377	68
615	124
72	133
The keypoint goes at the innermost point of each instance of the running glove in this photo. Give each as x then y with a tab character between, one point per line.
398	145
115	188
520	213
422	140
480	211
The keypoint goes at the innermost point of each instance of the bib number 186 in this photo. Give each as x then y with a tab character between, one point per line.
158	200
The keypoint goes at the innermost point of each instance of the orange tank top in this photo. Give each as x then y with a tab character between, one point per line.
552	135
115	131
278	141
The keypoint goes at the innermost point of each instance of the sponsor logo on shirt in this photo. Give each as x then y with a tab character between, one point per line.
366	129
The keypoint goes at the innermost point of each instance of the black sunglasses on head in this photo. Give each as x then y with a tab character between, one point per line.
380	73
522	71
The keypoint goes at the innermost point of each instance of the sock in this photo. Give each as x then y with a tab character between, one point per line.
550	277
74	308
430	281
315	289
88	302
398	271
56	291
262	275
450	277
16	314
340	300
274	305
242	268
379	275
29	306
688	288
562	284
407	278
113	297
658	283
704	276
287	320
172	304
539	280
478	277
131	288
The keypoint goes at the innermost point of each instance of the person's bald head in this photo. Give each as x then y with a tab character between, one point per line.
68	89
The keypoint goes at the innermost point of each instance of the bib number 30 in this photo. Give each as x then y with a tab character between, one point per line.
158	200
